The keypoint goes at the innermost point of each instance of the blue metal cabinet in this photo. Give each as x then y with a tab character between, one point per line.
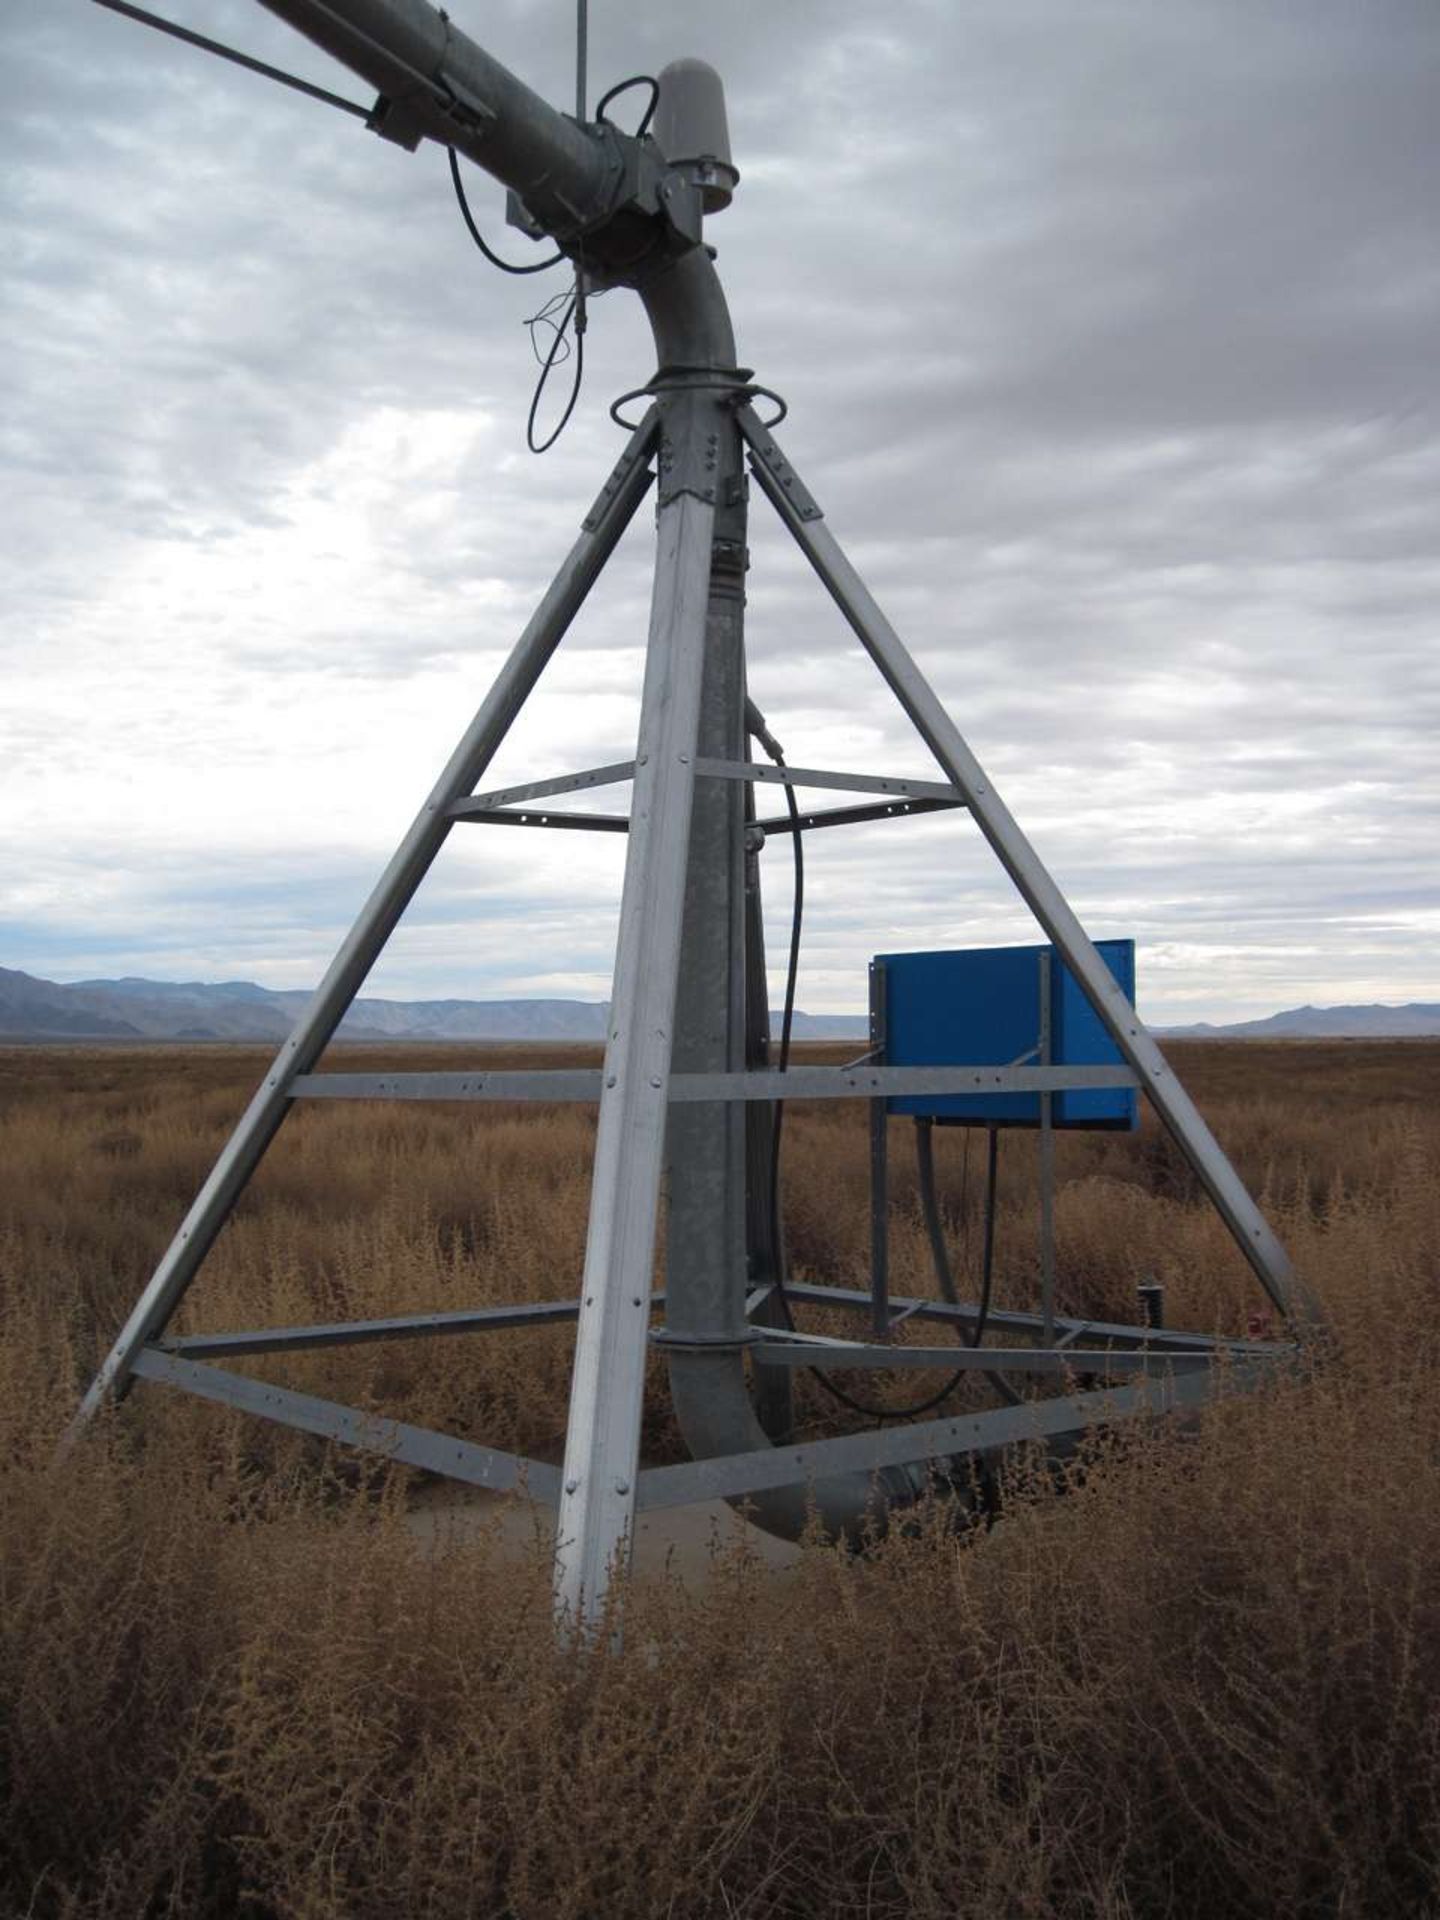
981	1007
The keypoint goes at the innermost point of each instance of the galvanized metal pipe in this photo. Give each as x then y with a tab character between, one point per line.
414	56
602	1442
707	1268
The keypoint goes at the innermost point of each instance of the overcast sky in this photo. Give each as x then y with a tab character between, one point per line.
1110	334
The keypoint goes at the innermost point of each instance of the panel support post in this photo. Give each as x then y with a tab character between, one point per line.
602	1445
1046	1052
879	1168
1247	1225
607	520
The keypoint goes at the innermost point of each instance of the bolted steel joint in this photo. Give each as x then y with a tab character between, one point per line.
690	450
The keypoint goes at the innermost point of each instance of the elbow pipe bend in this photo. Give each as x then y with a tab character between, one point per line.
713	1410
689	318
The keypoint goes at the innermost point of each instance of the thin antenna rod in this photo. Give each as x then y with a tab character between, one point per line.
582	48
237	58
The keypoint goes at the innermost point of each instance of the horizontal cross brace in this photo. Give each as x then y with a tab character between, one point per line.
1106	1332
787	776
408	1326
904	789
851	816
729	1475
1164	1347
541	789
797	1083
532	817
620	823
541	1083
372	1433
846	1353
976	1436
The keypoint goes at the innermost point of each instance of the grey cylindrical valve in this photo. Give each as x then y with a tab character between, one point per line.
691	130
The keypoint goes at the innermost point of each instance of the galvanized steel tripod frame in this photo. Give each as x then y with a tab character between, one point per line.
686	1067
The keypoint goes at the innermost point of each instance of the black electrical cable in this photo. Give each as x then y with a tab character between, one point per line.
505	266
552	359
624	86
787	1021
944	1278
867	1409
943	1393
574	311
237	58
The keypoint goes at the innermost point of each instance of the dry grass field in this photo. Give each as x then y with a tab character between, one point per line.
1204	1680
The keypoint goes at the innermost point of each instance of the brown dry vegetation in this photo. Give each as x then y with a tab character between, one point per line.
1201	1682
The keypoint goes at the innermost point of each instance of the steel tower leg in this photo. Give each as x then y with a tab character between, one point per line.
242	1153
1247	1224
602	1444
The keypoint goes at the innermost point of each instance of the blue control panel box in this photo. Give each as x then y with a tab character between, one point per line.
981	1007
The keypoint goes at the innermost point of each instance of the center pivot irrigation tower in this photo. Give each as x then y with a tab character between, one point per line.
687	1076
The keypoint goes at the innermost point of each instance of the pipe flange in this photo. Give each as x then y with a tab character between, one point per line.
704	1342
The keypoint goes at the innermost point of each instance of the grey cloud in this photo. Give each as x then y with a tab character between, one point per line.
1110	338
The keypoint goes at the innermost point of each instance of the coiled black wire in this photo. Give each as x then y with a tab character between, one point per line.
554	358
574	312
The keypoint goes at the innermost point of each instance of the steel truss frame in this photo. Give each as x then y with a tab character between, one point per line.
692	436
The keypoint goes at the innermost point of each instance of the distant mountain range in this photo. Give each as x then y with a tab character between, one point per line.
238	1010
1416	1021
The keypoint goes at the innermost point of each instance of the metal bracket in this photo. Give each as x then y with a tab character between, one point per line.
395	122
681	204
764	453
395	119
689	454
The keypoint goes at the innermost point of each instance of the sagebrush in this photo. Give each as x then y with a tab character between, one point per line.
1198	1681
